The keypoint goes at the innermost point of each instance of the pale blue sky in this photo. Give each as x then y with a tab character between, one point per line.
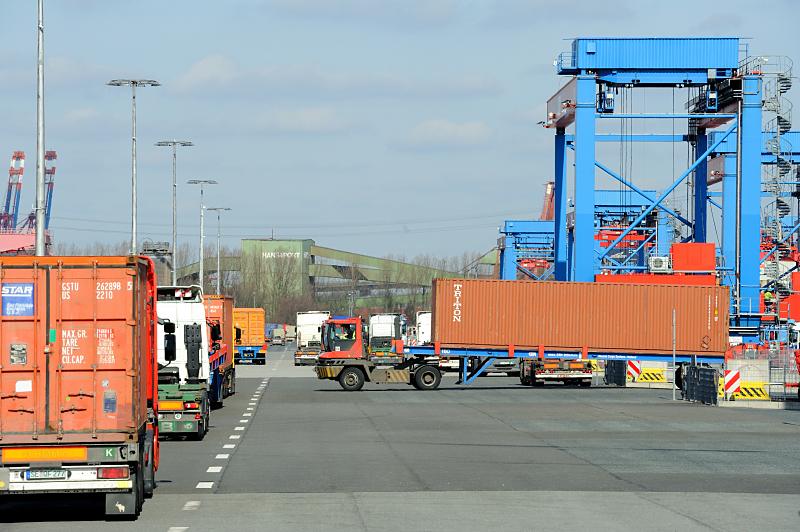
377	126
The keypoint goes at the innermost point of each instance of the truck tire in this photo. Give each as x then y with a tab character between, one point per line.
427	378
139	487
352	379
524	380
232	387
219	389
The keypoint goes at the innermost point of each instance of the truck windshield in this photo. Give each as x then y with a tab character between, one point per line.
340	336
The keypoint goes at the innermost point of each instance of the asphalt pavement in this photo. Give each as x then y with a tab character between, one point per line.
290	452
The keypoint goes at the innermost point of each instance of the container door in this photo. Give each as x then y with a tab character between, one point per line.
23	339
94	369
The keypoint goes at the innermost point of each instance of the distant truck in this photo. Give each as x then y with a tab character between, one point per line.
383	330
79	378
291	333
277	336
424	327
248	327
309	329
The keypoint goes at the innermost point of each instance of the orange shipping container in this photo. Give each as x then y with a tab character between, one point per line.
76	335
220	308
604	318
250	322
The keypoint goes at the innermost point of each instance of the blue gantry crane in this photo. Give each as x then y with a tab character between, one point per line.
726	102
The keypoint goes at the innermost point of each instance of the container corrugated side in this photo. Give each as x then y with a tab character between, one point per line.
610	318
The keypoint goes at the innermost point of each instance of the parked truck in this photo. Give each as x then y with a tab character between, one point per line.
384	329
219	319
248	327
309	330
79	378
185	376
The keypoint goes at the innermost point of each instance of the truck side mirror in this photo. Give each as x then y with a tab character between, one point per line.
216	333
170	350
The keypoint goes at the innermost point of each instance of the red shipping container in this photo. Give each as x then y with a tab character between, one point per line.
600	317
693	257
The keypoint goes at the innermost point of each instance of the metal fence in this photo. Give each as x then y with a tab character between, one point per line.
765	372
700	384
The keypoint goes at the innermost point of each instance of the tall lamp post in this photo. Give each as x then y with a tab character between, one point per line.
174	144
219	211
40	236
133	83
202	183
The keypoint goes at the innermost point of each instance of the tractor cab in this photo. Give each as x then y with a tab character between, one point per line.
342	338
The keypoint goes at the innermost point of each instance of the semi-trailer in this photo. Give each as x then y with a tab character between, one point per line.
79	378
551	329
219	319
185	375
251	346
309	330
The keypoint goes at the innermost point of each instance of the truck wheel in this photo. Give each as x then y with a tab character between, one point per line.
232	387
219	389
427	378
586	383
352	379
524	380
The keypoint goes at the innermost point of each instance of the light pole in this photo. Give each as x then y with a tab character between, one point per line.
133	83
174	143
40	237
218	210
202	183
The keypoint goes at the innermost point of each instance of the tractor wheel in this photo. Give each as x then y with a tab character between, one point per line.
352	379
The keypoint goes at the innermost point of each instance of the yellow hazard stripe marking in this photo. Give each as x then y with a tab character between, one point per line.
652	375
749	391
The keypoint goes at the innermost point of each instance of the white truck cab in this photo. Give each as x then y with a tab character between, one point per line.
183	306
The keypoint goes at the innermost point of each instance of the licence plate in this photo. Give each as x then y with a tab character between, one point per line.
46	474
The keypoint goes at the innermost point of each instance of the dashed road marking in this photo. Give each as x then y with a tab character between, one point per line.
222	456
234	436
243	420
229	446
178	529
247	414
204	485
239	428
214	469
250	408
191	505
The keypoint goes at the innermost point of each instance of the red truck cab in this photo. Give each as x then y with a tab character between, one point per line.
342	338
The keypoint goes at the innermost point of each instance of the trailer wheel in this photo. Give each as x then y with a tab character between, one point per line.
352	379
524	379
586	383
427	378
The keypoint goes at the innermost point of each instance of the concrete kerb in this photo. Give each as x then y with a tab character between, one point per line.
763	405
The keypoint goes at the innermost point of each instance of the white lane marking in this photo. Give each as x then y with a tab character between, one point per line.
246	414
204	485
191	505
214	469
222	456
253	403
229	446
234	437
239	428
178	528
250	408
243	420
